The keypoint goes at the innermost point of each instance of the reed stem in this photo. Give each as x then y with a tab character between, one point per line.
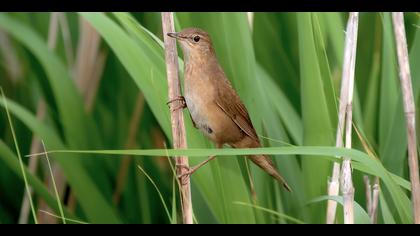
177	118
409	110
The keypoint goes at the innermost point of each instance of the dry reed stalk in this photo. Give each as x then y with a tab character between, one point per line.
373	211
89	62
348	70
345	121
177	118
372	198
333	184
371	192
368	192
409	109
130	144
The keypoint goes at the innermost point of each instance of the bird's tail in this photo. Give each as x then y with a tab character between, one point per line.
265	163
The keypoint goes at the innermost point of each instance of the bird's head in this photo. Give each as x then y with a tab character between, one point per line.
194	41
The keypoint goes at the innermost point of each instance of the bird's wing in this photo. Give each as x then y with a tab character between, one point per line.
231	104
194	124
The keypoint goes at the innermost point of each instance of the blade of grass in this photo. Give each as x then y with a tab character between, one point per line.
36	143
280	215
370	165
79	130
158	191
11	161
54	185
361	217
90	200
28	192
65	219
387	216
33	164
315	111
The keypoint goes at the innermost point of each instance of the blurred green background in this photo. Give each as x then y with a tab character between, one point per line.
96	81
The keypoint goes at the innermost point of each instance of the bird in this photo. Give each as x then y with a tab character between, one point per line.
214	106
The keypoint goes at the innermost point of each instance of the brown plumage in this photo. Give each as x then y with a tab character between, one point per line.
214	106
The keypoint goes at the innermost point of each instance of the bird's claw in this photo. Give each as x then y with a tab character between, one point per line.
184	175
179	98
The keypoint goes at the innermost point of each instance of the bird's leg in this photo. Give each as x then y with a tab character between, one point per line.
191	170
179	98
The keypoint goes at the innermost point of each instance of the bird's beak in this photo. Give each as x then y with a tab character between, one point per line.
173	35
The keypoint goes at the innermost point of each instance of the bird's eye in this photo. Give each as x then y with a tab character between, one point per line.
196	38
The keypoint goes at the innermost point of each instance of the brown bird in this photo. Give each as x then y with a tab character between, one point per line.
214	106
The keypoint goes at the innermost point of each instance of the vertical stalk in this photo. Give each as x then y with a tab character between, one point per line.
368	193
177	118
333	184
373	211
409	109
89	63
345	121
372	198
348	71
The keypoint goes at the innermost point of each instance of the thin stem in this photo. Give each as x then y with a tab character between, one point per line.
373	213
177	118
33	164
409	109
89	63
348	71
22	169
368	193
57	195
344	116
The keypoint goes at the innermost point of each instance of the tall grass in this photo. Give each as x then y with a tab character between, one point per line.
287	70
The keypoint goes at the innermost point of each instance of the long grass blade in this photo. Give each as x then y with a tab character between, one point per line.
25	179
54	185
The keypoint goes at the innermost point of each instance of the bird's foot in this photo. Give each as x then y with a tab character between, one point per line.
181	106
183	177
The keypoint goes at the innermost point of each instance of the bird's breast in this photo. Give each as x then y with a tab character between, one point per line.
198	99
200	96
